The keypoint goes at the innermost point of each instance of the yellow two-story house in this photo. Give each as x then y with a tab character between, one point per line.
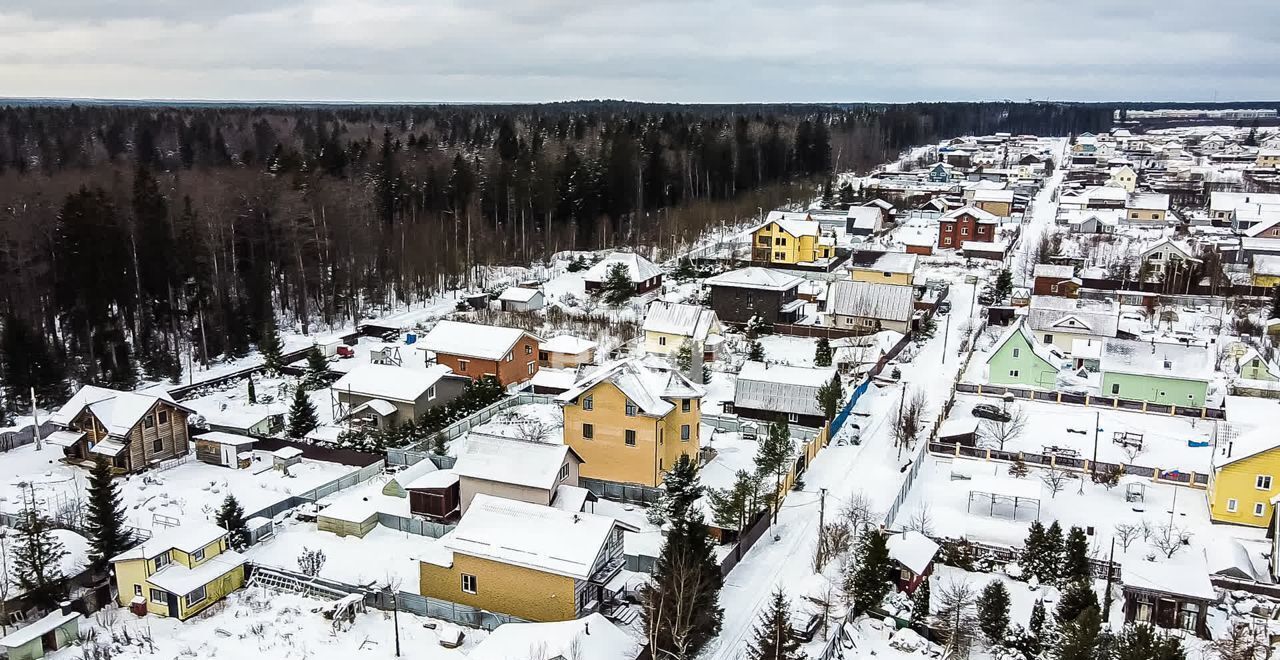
535	562
787	239
883	267
1245	478
668	325
1268	158
630	420
179	572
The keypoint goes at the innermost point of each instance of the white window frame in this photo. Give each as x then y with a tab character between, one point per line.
511	355
1259	509
662	341
564	472
164	596
531	368
631	409
163	559
1262	482
204	593
793	418
137	590
588	403
198	555
475	584
431	392
1233	505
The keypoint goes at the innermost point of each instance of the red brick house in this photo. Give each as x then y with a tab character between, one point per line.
475	351
966	224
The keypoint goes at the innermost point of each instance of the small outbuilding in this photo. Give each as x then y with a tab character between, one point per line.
962	431
1174	594
55	631
521	299
913	553
283	457
435	496
225	449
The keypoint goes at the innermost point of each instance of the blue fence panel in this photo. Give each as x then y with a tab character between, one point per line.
848	407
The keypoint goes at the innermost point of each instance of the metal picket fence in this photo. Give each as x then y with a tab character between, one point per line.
413	525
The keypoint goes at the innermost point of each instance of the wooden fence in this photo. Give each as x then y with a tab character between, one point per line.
1074	464
1054	396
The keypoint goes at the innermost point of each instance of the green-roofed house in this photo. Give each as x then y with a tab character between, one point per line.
1018	359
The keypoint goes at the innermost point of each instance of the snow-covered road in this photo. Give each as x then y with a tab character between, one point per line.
1044	211
872	468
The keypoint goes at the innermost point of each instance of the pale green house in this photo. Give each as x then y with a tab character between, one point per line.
1166	373
59	629
1018	359
1253	367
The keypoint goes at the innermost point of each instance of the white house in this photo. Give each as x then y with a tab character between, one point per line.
520	299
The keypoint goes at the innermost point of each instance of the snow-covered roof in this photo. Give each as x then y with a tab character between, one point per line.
567	344
556	379
392	383
486	342
977	214
37	629
571	498
220	438
984	246
414	472
436	479
1166	360
1185	575
1055	314
995	196
1263	218
1180	247
645	385
865	217
913	550
1054	271
639	268
1227	556
693	321
592	637
287	453
180	580
518	294
877	301
1087	348
893	262
1248	445
382	407
958	426
538	537
796	224
755	277
118	411
1019	329
1149	201
1220	201
512	461
1106	193
887	206
187	537
781	388
1266	264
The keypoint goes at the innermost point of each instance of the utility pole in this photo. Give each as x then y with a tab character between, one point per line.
1093	465
946	330
822	509
1106	596
35	420
395	617
898	420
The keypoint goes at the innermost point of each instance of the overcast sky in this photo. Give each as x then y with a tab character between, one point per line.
683	51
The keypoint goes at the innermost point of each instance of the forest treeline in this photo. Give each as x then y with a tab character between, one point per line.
134	237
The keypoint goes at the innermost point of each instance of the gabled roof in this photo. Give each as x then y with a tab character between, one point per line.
384	381
533	536
996	196
487	342
1178	246
187	538
1054	314
518	294
639	268
1248	445
865	217
1149	201
885	262
649	387
780	388
118	411
913	550
693	321
179	580
1186	576
877	301
1166	360
567	344
795	226
512	461
1054	271
37	629
977	213
1266	264
755	277
1049	356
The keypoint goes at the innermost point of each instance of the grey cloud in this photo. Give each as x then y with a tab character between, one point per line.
700	50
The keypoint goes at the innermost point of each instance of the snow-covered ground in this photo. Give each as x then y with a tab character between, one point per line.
190	491
349	559
74	561
265	624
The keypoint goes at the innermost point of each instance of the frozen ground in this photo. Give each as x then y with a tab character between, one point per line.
191	491
255	623
382	555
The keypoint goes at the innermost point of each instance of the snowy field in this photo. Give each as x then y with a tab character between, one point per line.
943	485
1165	443
264	624
191	491
349	559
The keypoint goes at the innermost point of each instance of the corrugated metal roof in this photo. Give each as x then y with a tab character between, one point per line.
877	301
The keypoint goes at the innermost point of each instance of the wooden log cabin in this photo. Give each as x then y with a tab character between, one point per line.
132	430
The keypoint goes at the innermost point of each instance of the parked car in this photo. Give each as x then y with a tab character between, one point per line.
993	413
944	307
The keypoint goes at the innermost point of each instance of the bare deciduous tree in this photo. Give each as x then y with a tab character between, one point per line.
534	429
995	433
1126	533
1169	539
1056	479
834	539
957	616
909	420
859	513
1242	641
921	521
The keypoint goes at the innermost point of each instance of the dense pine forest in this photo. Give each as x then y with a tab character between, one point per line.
135	235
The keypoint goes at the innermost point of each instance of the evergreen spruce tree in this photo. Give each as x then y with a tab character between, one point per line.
993	611
37	559
231	518
317	369
871	583
681	601
1143	642
775	639
1075	561
1275	302
773	459
755	352
269	345
618	287
1076	598
302	414
106	515
680	490
1036	625
1078	638
822	354
920	604
253	394
1032	556
830	396
1051	554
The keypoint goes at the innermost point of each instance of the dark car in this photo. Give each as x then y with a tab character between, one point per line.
944	307
988	411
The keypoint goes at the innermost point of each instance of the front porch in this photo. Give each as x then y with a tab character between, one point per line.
79	449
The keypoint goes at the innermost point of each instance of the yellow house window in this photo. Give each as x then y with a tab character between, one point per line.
1263	482
684	433
631	409
469	583
662	341
588	403
631	438
198	555
588	431
1232	505
1259	508
195	596
158	596
162	560
685	405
